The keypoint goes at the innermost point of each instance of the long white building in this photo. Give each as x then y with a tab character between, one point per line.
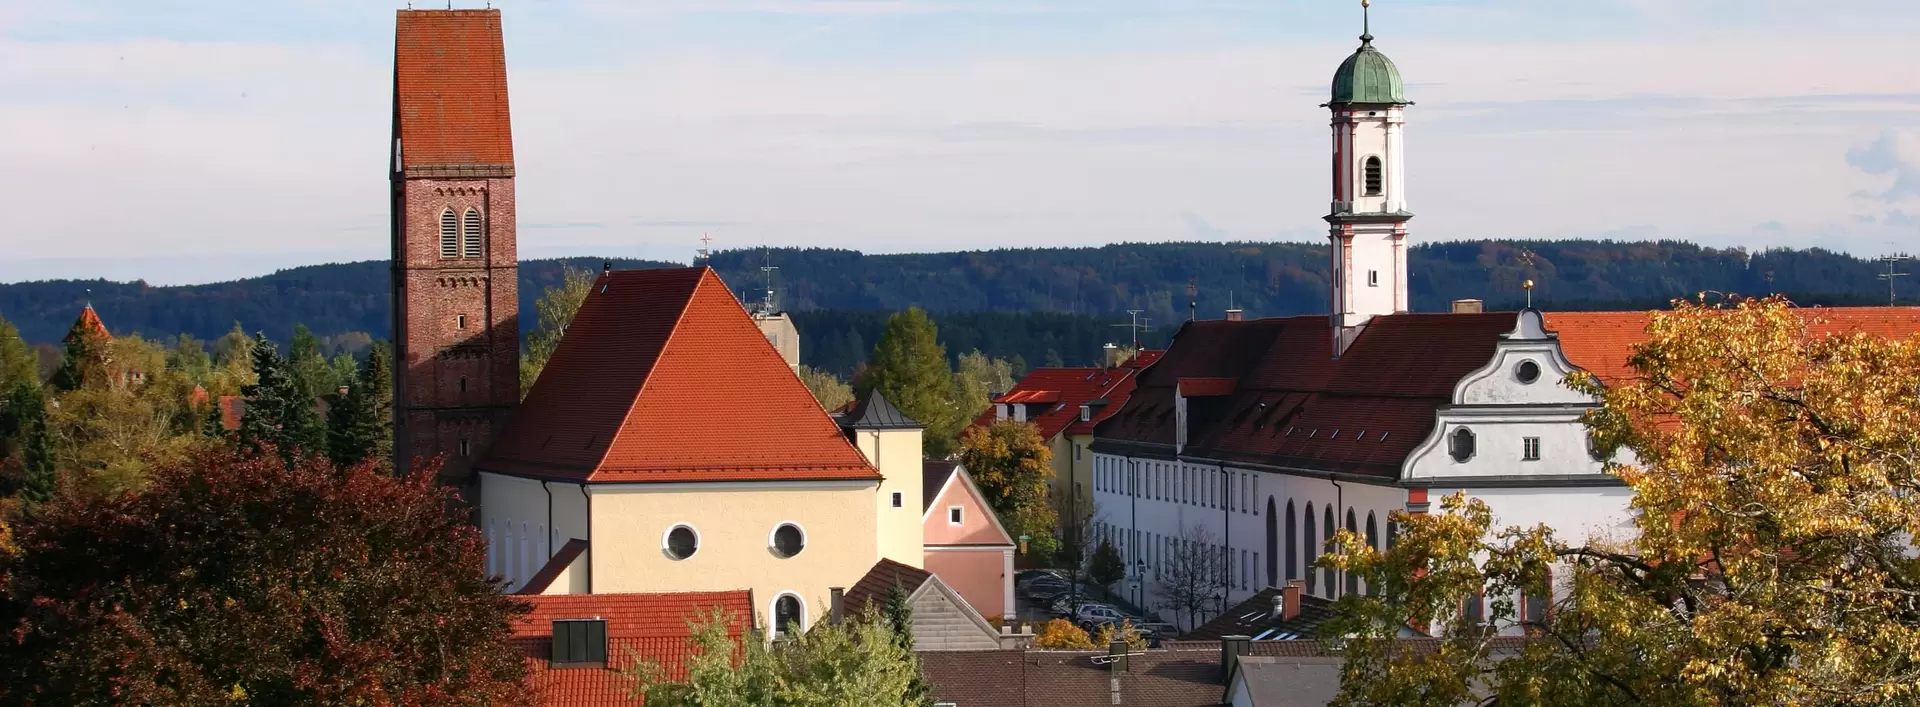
1268	435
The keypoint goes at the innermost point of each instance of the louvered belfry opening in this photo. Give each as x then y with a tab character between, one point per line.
449	235
470	235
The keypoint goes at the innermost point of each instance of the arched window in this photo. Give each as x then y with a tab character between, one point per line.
1536	607
449	235
1313	578
1353	580
1393	534
1273	545
470	234
1373	176
1293	544
1326	541
1461	445
787	615
1373	541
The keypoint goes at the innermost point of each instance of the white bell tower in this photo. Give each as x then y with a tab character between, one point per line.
1368	236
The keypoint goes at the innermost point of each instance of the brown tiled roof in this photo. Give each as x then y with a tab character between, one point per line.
639	627
1254	619
873	587
1293	404
662	376
450	88
1056	395
232	409
933	477
1601	342
556	564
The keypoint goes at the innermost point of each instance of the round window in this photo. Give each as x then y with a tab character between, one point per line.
1527	371
788	540
682	542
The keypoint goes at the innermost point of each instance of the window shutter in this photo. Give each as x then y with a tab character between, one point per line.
472	234
449	235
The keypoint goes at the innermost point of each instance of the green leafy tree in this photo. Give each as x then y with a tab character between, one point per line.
827	389
1776	492
1013	468
232	363
17	362
234	579
278	415
977	379
856	663
189	357
555	310
909	366
307	364
1106	566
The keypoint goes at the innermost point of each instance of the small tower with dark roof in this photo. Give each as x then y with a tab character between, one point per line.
1368	236
891	442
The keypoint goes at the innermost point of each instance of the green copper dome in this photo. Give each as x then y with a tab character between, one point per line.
1368	77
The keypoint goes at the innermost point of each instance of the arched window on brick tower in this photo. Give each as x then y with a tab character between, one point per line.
470	234
449	234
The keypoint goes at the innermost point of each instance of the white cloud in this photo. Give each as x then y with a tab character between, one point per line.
1896	153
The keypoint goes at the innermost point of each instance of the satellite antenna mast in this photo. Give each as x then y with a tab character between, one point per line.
1137	326
766	306
1890	274
706	252
1193	299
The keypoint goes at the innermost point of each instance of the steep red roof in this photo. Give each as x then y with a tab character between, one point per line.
643	626
88	320
873	588
662	376
450	89
1064	390
1601	342
1293	404
1207	387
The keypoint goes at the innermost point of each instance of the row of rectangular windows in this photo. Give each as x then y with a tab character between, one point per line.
460	235
1179	483
1158	553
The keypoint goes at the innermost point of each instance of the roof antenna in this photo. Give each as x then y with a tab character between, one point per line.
1193	299
1890	274
1137	325
766	306
706	252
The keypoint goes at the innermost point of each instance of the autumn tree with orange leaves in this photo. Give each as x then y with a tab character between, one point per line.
1774	473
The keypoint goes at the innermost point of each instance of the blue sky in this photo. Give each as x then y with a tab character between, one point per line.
190	141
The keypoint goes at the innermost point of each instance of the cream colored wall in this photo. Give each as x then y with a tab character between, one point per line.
735	523
896	453
520	534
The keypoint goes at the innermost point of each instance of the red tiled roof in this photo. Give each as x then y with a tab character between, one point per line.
662	376
88	320
1190	678
873	587
1601	342
1064	390
1296	405
450	88
639	626
232	409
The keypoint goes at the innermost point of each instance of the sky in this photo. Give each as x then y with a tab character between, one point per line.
186	141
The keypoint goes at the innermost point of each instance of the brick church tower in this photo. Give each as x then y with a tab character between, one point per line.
455	311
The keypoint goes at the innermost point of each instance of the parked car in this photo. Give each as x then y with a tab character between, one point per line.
1157	631
1046	592
1028	579
1091	616
1067	606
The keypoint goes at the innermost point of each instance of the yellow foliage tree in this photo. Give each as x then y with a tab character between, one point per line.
1013	468
1124	631
1061	634
1776	496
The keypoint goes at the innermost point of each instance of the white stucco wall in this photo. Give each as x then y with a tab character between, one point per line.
520	530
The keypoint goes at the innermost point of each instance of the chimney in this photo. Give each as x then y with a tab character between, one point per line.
1111	355
836	604
1231	648
579	643
1234	315
1468	306
1290	599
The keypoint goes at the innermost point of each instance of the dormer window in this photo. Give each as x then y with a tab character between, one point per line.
1000	411
1373	176
470	234
1086	413
449	235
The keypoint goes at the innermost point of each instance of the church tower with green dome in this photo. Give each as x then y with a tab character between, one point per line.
1368	218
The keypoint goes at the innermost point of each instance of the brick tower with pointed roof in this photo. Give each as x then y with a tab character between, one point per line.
456	318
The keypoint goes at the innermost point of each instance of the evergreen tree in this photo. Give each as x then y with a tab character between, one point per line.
214	422
26	422
1106	567
910	367
377	380
307	364
277	413
898	615
352	427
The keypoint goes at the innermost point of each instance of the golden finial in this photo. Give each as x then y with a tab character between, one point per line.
1528	286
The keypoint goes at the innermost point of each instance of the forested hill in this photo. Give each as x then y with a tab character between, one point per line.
1262	278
